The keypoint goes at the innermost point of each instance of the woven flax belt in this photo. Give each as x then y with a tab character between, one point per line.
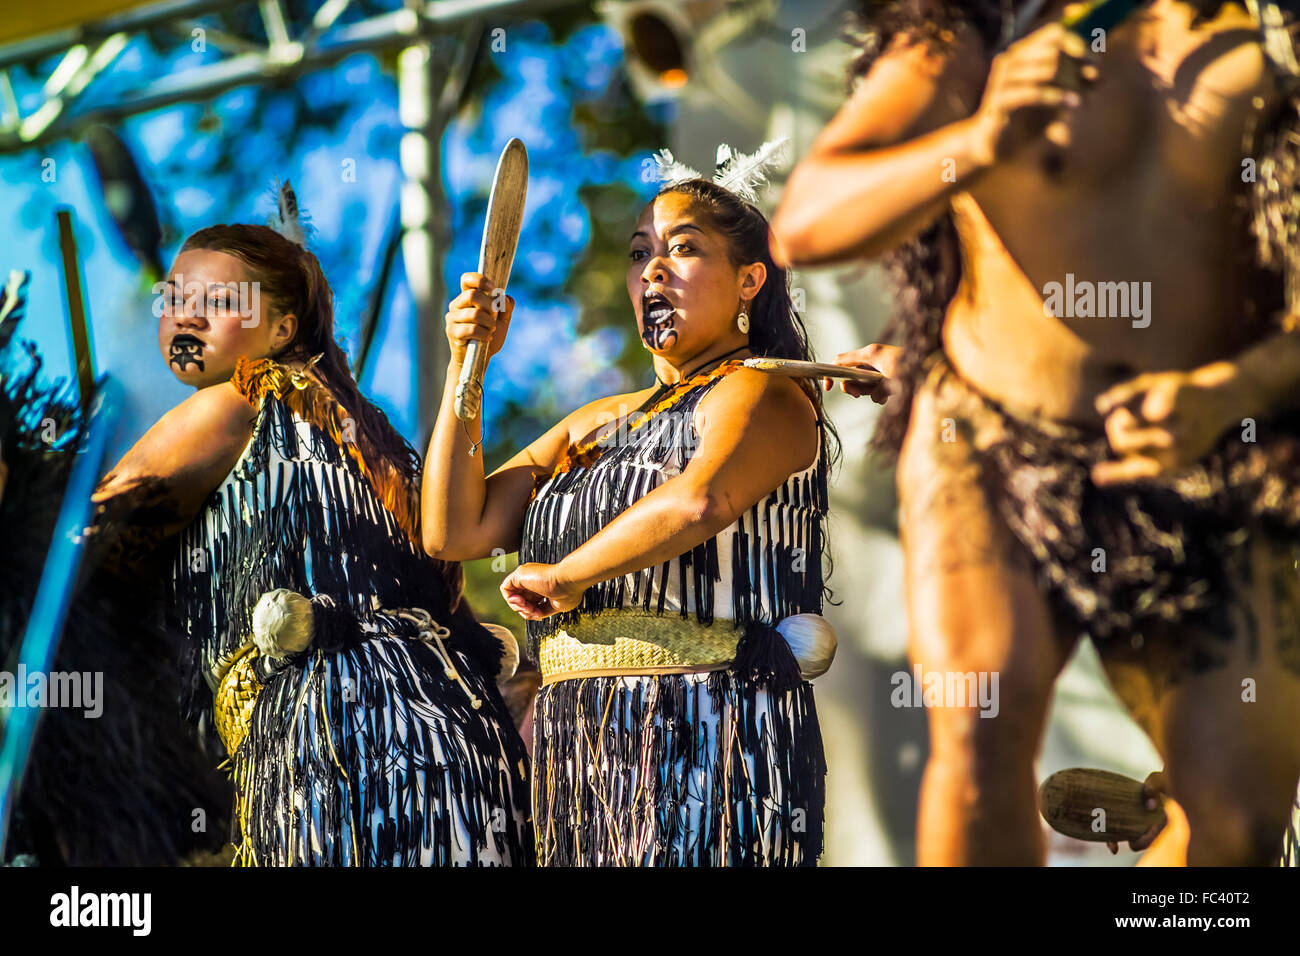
619	643
234	698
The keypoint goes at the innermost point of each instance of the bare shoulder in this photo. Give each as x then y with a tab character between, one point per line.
587	422
219	410
751	389
192	447
1236	64
749	402
222	401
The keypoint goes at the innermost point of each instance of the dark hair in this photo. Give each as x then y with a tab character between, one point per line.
926	270
775	327
292	280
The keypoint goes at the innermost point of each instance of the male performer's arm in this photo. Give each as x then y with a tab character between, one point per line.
910	137
755	430
1266	376
1161	422
882	358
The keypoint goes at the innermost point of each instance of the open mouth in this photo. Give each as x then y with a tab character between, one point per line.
656	308
186	350
658	313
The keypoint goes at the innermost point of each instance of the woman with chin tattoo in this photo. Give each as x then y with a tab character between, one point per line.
671	544
352	688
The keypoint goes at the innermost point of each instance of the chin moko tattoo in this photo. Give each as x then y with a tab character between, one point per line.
186	350
659	315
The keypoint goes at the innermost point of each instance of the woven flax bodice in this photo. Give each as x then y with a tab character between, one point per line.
763	567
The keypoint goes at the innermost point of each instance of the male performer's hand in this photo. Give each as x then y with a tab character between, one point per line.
1154	789
477	313
1161	422
535	591
880	358
1029	84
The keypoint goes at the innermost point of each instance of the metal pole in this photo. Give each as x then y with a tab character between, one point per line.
420	75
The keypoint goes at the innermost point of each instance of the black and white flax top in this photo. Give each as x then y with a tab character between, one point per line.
764	567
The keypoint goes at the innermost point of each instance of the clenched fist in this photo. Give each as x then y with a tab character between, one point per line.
480	313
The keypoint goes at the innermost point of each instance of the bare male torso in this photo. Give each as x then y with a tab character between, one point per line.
1137	185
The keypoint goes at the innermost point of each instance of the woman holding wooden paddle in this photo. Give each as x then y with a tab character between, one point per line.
671	548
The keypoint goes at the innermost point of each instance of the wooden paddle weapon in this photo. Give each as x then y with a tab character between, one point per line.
505	216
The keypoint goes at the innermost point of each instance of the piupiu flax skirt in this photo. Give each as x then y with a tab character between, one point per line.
709	769
375	756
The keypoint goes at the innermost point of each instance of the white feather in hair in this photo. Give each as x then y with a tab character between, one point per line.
744	174
670	170
740	173
287	220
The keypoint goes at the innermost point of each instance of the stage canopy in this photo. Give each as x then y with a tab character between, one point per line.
22	21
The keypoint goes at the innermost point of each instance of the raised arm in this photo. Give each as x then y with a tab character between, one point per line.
465	515
914	133
755	430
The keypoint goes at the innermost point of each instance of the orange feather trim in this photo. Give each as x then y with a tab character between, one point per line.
313	403
585	455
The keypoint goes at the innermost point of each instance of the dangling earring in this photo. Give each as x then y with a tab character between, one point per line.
742	320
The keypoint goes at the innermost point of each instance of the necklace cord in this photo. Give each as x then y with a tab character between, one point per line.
687	377
666	387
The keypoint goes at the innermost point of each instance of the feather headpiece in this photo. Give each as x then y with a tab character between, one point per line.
740	173
288	220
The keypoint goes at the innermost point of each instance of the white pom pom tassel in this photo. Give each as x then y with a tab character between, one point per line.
282	623
509	651
812	641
